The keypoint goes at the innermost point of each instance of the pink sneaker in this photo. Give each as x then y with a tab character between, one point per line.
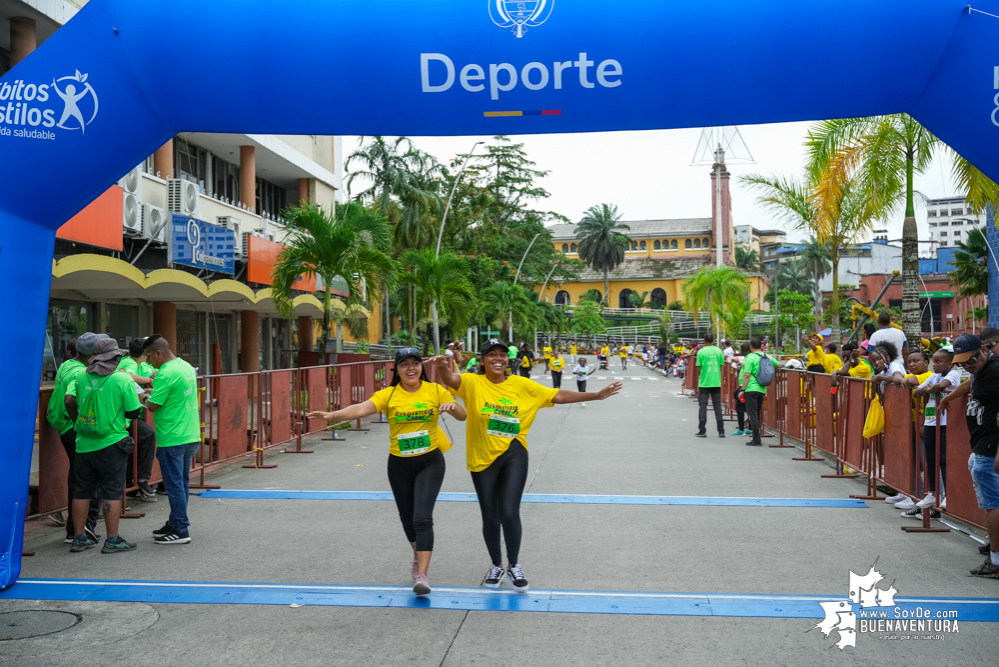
421	587
415	570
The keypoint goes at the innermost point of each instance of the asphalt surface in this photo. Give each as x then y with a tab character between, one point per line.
638	443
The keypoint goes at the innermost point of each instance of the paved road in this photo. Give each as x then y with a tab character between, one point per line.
640	443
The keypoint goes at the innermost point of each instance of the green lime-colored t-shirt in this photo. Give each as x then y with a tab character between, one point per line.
175	390
472	363
752	367
56	414
128	365
102	402
146	370
710	360
512	351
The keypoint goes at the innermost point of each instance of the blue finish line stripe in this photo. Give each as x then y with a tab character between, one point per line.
545	498
472	599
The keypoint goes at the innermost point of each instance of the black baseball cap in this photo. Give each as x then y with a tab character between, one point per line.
405	352
494	342
965	347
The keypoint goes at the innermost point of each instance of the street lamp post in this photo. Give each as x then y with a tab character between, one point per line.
517	277
440	235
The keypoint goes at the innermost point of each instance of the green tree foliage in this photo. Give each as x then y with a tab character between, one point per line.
591	295
587	320
602	240
748	260
971	265
443	280
795	310
715	290
503	299
795	275
675	305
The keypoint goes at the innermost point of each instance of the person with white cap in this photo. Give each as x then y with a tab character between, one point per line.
501	410
101	403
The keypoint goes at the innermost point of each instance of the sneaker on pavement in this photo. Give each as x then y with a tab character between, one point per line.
517	578
943	504
914	513
164	530
985	548
146	492
583	404
987	569
722	434
69	539
905	504
422	587
754	444
415	570
173	537
897	498
700	435
58	519
738	431
929	501
91	534
82	545
117	547
494	577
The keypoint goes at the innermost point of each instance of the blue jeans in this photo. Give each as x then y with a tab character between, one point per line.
986	480
175	464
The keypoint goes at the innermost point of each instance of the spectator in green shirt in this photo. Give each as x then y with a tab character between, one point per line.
752	390
101	403
175	404
58	419
709	360
131	365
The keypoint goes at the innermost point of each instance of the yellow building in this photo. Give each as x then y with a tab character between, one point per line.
662	255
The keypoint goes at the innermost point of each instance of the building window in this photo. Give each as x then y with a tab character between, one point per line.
658	297
957	223
957	233
697	243
687	245
673	245
944	224
565	248
562	298
957	211
642	246
572	247
657	246
624	298
190	162
634	245
931	214
706	243
270	198
225	175
932	225
943	233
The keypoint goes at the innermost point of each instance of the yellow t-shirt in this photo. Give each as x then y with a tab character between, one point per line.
623	351
558	363
572	349
816	357
499	413
922	377
413	427
525	361
861	370
547	351
832	362
605	351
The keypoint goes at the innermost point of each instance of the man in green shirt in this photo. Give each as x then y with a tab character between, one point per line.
58	418
709	360
101	404
752	390
512	352
146	445
174	402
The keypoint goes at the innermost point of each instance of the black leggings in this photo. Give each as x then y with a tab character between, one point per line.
499	488
415	482
930	453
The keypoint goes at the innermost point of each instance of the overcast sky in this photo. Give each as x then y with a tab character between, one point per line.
648	174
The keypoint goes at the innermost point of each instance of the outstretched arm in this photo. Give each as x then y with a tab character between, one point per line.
565	396
347	414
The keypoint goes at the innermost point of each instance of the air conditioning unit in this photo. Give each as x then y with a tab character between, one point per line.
236	225
154	223
182	197
131	182
131	185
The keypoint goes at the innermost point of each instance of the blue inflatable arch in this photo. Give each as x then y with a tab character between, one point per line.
124	76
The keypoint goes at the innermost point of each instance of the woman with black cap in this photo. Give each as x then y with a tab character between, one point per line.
416	449
501	410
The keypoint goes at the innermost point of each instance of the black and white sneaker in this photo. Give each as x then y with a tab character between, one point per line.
985	548
173	537
166	529
89	532
517	578
146	492
494	577
917	513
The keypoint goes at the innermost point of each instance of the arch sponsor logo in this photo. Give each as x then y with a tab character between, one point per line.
35	110
519	15
872	609
995	100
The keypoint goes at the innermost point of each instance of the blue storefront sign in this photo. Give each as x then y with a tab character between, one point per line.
201	244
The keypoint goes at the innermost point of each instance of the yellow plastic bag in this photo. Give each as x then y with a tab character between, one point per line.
875	422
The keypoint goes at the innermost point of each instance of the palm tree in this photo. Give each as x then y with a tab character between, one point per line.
795	275
350	242
716	290
971	265
502	299
733	318
591	295
640	300
816	255
443	280
748	260
835	225
602	241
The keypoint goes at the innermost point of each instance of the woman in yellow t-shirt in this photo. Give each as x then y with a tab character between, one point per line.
918	365
501	410
416	449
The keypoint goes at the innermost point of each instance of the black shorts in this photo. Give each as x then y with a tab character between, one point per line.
104	470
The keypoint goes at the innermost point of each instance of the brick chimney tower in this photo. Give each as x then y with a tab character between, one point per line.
726	204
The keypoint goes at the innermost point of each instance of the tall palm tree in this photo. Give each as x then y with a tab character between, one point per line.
816	256
796	275
350	242
971	265
602	241
443	280
715	290
836	224
748	260
640	300
733	318
502	299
